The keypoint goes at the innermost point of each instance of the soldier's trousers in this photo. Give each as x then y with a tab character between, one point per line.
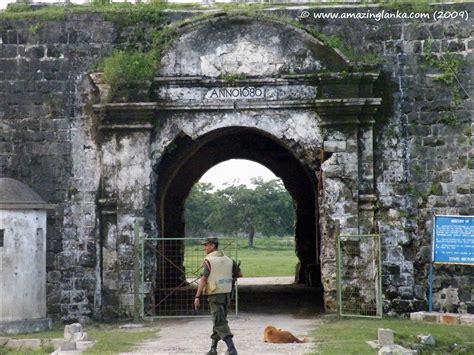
219	305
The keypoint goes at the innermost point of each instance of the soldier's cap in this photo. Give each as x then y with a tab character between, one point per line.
214	241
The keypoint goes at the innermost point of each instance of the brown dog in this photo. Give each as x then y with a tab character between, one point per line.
274	335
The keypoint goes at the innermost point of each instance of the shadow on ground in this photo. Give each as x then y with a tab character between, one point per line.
298	300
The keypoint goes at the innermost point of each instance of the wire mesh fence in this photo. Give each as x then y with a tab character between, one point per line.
175	277
359	275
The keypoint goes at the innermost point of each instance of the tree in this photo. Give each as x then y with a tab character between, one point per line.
200	205
276	210
267	209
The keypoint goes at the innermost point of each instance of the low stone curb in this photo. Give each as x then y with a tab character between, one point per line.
443	318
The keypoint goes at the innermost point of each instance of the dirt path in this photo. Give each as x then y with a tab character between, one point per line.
191	336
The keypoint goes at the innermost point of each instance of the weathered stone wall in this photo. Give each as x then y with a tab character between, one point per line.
46	142
49	140
423	158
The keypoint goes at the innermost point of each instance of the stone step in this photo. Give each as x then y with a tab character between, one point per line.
443	318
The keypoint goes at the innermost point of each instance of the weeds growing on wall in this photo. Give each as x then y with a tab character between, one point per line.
125	67
449	65
338	43
450	120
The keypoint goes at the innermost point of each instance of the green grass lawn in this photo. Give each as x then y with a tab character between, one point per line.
109	338
349	335
271	256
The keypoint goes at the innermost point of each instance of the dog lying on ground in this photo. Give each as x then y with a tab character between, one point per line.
279	336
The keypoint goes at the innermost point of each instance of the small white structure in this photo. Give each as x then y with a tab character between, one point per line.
22	259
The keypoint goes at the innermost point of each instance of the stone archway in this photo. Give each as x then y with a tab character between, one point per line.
189	159
257	78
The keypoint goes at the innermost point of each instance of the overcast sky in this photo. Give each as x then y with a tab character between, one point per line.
236	171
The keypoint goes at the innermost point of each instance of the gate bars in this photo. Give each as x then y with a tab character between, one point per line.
359	275
170	272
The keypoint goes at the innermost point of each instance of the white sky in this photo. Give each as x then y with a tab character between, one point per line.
3	3
236	171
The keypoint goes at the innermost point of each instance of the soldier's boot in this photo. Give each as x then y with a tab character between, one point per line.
213	350
231	350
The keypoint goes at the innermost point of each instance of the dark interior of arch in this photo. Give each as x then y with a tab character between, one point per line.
186	160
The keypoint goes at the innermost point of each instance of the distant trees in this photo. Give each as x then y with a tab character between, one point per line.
267	209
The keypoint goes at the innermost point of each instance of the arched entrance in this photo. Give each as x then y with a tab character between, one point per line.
189	160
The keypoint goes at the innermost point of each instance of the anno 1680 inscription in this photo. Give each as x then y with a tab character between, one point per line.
242	93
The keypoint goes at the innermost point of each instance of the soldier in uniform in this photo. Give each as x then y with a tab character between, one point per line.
217	280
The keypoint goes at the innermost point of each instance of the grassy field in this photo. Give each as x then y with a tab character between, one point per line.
271	256
109	338
349	336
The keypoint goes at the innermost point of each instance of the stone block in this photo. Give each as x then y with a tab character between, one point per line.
80	337
83	345
70	330
334	146
449	318
54	276
406	292
68	346
417	316
466	319
395	350
385	336
426	339
419	292
432	317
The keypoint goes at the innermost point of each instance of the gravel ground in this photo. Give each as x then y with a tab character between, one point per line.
191	336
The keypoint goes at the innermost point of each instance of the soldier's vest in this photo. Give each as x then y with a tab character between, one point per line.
220	277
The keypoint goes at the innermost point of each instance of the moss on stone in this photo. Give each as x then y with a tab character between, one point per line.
436	189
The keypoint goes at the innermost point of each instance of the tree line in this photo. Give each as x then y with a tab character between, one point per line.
267	209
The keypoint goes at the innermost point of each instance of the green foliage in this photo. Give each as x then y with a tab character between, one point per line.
417	170
161	40
122	69
267	209
450	120
408	5
234	77
19	7
436	189
199	207
449	65
349	336
35	27
27	12
338	43
122	14
470	163
101	2
125	15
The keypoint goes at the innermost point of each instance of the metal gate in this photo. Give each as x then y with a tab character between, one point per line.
359	275
171	268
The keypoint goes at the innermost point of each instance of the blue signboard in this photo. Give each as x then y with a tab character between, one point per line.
453	240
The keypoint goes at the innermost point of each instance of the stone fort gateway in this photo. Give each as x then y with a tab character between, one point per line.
361	145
